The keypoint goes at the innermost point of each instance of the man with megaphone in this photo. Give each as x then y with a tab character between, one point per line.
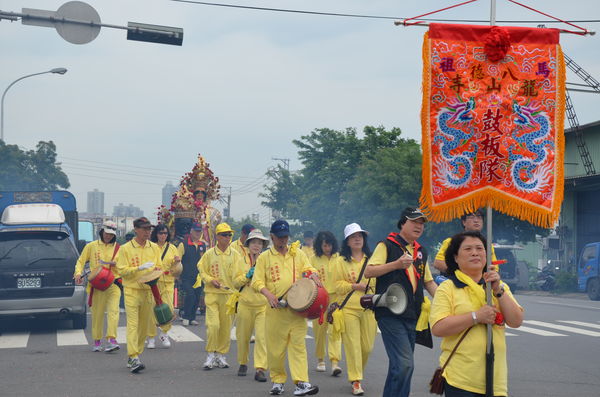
400	260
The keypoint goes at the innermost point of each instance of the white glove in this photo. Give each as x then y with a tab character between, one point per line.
145	266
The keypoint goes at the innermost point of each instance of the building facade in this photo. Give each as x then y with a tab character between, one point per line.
95	202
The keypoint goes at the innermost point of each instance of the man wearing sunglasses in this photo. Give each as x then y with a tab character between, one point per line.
218	269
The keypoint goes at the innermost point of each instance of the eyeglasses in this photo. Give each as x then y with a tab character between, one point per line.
225	234
162	233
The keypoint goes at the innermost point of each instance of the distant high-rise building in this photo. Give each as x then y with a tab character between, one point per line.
167	193
95	202
127	211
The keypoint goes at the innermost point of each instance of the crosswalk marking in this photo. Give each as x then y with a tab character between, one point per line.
14	340
563	328
179	333
581	323
70	337
538	331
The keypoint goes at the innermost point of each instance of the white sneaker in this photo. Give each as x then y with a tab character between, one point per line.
277	389
164	340
221	361
232	334
210	361
321	366
252	339
151	343
185	322
305	388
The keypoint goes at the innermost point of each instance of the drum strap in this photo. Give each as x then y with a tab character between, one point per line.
165	251
360	275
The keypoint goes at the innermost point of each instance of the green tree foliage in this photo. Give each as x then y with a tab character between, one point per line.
32	169
370	180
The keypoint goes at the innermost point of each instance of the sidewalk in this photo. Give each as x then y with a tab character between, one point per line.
567	295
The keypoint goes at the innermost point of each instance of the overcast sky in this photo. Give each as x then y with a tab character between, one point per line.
129	116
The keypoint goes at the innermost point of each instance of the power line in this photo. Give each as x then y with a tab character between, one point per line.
335	14
178	172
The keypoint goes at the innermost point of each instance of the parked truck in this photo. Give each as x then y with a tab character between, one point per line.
38	252
588	276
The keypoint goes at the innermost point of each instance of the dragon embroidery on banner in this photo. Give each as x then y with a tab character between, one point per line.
530	173
455	170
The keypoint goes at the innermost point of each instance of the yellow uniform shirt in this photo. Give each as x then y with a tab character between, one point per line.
309	251
466	370
222	266
346	274
168	261
442	252
131	256
249	296
93	253
241	249
379	257
325	267
278	272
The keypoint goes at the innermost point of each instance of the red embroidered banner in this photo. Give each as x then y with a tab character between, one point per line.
492	121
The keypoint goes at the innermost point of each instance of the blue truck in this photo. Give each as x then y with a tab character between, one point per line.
38	252
588	275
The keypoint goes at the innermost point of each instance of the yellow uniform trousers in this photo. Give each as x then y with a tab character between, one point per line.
286	330
218	323
334	345
105	301
358	339
322	334
138	308
251	318
167	293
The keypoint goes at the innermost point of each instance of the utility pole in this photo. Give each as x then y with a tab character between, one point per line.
286	162
227	210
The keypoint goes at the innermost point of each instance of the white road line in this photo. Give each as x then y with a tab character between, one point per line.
538	331
15	340
70	337
309	337
509	334
581	323
563	328
122	335
566	304
179	333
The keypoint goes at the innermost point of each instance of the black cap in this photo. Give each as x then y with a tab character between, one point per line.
410	213
280	228
309	233
247	228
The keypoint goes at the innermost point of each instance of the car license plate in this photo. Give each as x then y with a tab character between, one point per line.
31	282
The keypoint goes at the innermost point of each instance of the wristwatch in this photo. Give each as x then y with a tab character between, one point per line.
499	294
474	316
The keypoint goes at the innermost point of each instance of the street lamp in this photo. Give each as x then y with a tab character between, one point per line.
55	70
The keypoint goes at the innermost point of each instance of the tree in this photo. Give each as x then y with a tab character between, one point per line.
368	180
32	169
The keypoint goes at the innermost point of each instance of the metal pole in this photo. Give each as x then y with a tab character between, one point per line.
57	70
489	352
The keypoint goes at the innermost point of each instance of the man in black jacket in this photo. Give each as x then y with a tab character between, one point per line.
191	250
400	259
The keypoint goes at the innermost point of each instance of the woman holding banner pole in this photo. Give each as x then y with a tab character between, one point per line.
460	305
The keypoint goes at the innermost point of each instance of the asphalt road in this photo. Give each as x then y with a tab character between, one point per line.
555	354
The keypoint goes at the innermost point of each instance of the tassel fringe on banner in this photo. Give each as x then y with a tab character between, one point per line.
506	203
